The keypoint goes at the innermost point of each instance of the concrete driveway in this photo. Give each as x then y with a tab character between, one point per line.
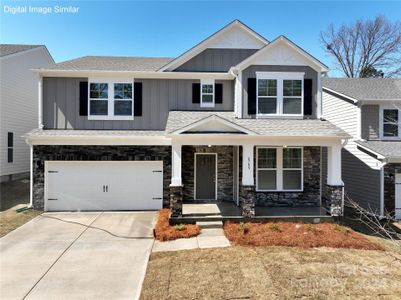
91	255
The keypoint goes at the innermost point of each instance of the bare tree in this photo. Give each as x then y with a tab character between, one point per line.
367	48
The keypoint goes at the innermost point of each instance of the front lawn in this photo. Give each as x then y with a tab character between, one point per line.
10	219
273	273
297	235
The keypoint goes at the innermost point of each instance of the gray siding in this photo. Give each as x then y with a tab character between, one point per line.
61	104
370	122
250	72
362	183
215	60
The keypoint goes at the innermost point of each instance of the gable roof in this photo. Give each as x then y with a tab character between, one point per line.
282	39
8	49
365	88
208	41
111	63
388	149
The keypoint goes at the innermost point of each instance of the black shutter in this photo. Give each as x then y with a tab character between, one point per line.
218	93
308	97
83	98
252	96
138	99
196	93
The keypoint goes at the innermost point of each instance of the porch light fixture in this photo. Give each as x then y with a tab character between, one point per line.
210	146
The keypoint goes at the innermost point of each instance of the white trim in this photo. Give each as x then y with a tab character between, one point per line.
215	183
212	118
319	96
31	176
134	74
110	99
359	122
186	56
40	101
340	94
315	64
279	77
381	206
280	169
176	164
207	82
381	120
41	47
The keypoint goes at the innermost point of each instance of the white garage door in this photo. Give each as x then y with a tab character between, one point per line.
103	185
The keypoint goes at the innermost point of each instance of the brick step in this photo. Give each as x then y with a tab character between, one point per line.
210	224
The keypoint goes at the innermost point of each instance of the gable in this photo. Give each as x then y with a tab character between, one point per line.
235	35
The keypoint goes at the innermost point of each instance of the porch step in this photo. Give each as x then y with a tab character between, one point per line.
194	215
210	224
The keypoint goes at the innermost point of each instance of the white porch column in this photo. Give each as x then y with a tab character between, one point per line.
334	165
40	102
176	179
247	165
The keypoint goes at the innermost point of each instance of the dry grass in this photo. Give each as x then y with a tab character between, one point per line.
10	219
297	235
165	232
273	273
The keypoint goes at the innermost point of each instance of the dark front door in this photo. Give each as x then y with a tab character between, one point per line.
205	176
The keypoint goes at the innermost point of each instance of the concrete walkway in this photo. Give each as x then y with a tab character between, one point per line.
208	238
77	256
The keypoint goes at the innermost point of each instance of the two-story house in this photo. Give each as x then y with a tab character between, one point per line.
369	109
18	105
234	119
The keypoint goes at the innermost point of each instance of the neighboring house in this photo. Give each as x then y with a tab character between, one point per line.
19	105
236	118
369	109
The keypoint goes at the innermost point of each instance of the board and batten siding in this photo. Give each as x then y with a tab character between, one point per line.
250	72
341	113
159	96
370	122
19	105
215	60
361	177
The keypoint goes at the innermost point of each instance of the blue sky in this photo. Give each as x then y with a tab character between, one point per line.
168	28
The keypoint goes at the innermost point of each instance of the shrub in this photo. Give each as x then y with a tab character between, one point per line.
273	227
179	227
341	229
310	228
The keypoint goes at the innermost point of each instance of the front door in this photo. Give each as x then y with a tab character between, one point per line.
398	196
205	176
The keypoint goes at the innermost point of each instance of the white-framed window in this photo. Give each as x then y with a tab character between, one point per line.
110	99
390	122
280	93
207	93
279	169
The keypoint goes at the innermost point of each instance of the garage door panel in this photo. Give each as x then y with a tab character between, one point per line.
109	185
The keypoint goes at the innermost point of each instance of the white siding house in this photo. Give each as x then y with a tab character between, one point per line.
18	104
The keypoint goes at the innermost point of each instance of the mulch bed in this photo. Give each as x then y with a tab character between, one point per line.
297	235
165	232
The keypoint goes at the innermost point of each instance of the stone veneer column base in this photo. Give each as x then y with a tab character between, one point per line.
334	198
247	200
176	199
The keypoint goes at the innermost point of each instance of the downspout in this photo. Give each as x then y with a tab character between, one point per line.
384	163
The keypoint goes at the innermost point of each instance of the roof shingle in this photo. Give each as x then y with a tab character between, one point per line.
389	149
8	49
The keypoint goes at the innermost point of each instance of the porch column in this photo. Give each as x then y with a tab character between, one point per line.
247	189
335	186
176	193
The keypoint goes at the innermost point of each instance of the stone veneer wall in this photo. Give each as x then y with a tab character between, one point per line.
93	153
389	186
311	193
224	170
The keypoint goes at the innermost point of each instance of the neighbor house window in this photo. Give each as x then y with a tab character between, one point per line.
10	147
279	169
110	99
391	123
207	93
279	93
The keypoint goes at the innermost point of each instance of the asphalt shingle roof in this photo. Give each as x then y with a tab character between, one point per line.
7	49
366	88
389	149
271	127
92	133
112	63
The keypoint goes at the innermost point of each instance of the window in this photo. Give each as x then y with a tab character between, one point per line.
10	147
111	100
279	93
207	93
279	169
390	123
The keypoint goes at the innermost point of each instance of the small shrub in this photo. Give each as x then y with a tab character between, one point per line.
273	227
243	228
310	228
341	229
179	227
